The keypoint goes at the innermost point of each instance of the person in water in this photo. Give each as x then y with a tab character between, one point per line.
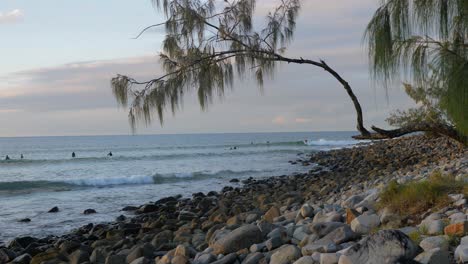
22	157
7	157
73	154
110	154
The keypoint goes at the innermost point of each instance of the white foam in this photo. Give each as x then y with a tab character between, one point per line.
325	142
113	181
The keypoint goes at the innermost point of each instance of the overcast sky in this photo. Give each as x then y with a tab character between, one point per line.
57	58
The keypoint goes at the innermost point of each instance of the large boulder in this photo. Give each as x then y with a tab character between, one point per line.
385	246
238	239
434	256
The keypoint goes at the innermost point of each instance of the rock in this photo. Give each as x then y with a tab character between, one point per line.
228	259
322	229
329	258
79	256
352	201
364	224
186	216
238	239
332	216
434	256
43	257
141	260
116	259
253	258
54	209
461	253
340	235
387	216
130	208
99	255
234	180
6	255
307	211
285	255
89	211
429	243
24	220
205	259
23	259
385	246
273	243
300	232
305	260
271	214
457	229
457	218
161	238
351	214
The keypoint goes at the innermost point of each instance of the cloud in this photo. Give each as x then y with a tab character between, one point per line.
13	16
279	120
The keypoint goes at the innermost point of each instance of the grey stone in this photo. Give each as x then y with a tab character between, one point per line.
461	253
116	259
79	256
238	239
364	224
329	258
305	260
429	243
307	211
332	216
285	255
385	246
352	201
324	228
253	258
434	256
273	243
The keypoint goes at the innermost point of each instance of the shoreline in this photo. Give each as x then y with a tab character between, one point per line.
237	223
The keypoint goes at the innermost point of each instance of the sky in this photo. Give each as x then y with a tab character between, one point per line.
57	59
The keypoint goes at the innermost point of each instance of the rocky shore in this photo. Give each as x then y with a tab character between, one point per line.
330	215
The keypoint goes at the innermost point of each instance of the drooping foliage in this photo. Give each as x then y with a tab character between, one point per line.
424	40
207	42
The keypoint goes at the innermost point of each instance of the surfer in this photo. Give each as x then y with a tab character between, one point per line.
7	157
22	157
110	154
73	154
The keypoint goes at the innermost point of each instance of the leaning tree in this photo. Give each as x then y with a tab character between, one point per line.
207	43
425	41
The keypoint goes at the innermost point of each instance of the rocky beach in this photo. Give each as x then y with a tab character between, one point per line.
335	213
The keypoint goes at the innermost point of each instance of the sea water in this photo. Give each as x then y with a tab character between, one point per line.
142	168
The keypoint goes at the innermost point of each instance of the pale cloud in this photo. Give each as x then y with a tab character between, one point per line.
279	120
301	120
12	16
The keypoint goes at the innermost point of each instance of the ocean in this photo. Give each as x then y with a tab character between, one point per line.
142	168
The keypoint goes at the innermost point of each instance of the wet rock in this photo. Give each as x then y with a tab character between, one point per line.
53	210
305	260
307	211
24	220
23	259
386	246
89	211
238	239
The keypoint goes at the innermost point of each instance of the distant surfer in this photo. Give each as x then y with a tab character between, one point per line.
7	157
22	157
73	154
110	154
306	141
235	147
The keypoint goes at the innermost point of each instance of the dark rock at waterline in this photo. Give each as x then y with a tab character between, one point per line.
234	180
130	208
89	211
121	218
54	210
24	220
